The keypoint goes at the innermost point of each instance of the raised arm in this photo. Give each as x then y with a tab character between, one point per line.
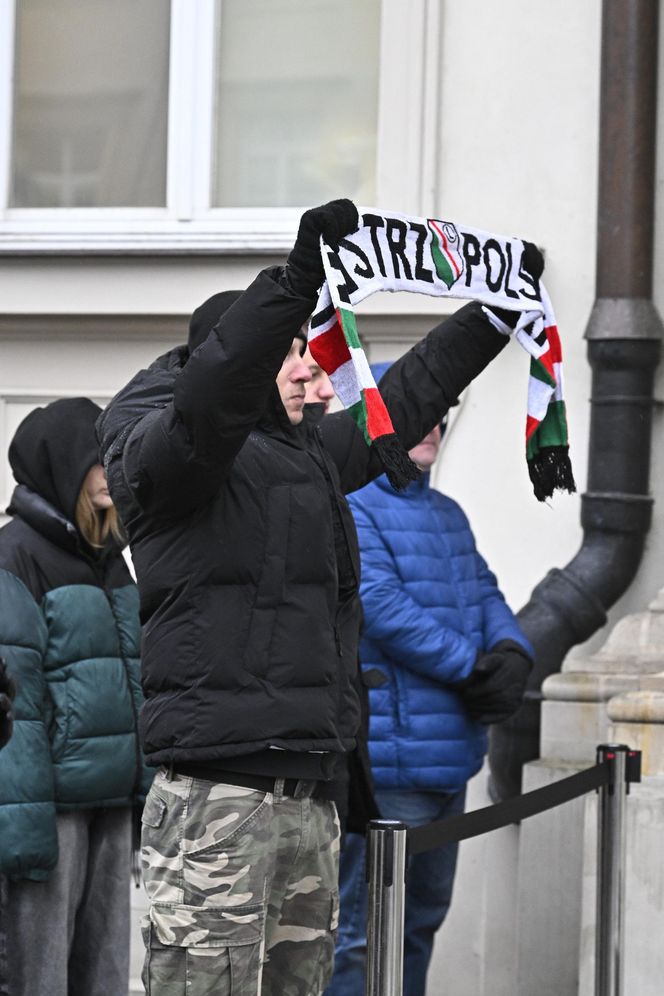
418	390
172	456
167	451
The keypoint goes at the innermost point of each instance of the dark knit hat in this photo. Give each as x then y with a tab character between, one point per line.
206	316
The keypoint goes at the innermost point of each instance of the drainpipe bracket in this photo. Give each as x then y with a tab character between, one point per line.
624	318
616	512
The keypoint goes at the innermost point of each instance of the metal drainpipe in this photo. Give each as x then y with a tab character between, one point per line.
624	341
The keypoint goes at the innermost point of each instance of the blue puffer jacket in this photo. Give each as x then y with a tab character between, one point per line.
430	604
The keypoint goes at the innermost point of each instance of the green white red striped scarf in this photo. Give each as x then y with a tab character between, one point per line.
397	252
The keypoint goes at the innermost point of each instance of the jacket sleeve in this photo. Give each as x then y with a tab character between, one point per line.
28	838
403	629
418	390
176	457
498	620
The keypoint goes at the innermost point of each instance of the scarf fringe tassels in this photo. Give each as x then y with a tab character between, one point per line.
400	469
551	470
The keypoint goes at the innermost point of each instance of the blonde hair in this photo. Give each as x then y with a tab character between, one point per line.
95	525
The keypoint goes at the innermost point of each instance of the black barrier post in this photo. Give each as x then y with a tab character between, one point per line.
625	768
386	874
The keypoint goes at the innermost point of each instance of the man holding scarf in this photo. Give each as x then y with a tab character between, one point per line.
233	497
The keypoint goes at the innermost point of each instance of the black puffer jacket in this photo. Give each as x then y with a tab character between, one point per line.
250	627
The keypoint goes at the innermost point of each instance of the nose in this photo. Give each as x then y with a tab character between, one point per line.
301	373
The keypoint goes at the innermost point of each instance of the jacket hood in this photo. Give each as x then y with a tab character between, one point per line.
206	316
54	448
148	389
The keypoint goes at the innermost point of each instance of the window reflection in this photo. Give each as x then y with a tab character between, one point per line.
90	103
296	101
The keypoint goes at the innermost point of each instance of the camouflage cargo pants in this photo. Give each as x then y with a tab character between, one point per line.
243	889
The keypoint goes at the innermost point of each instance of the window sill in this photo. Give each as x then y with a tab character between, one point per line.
187	239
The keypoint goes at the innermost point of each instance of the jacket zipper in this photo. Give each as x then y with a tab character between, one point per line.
333	494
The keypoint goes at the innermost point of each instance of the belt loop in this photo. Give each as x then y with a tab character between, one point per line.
305	788
278	789
169	772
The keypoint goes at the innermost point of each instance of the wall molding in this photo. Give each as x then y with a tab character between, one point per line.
95	327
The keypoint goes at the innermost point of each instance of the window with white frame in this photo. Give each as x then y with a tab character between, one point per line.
89	104
163	125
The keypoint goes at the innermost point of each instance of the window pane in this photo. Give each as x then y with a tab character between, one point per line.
296	101
90	103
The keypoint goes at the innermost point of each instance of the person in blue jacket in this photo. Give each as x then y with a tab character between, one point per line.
73	768
445	657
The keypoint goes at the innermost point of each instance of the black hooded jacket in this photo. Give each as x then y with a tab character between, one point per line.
244	545
69	633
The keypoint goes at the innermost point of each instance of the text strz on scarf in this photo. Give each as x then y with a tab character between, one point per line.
420	254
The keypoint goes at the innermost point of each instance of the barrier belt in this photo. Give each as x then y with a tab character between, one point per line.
432	835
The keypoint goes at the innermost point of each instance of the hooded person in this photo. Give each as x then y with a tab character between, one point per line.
232	491
73	769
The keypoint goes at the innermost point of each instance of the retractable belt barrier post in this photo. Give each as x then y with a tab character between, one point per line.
617	766
624	767
386	871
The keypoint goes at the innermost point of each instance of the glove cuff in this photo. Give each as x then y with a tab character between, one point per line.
463	683
512	646
304	280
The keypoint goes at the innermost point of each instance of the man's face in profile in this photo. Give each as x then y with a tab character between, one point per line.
319	389
292	380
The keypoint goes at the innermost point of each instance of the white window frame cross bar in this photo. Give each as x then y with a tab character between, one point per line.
406	167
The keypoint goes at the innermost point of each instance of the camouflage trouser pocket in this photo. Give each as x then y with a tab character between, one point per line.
194	951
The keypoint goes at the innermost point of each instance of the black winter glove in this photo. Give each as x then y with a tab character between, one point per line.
494	689
532	261
7	693
333	221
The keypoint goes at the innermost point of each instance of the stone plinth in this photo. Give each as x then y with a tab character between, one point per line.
616	695
637	719
574	716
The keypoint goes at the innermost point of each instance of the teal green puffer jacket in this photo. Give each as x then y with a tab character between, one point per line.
28	841
69	634
75	743
74	659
